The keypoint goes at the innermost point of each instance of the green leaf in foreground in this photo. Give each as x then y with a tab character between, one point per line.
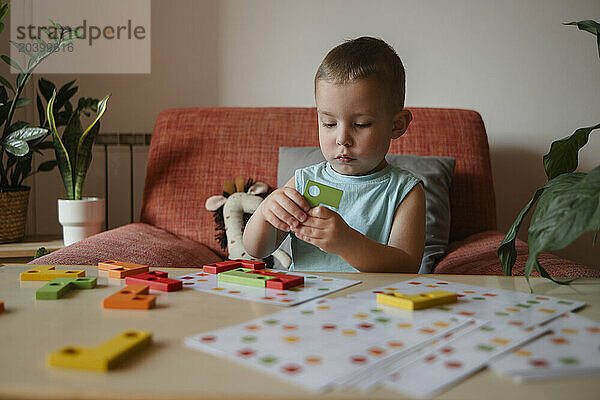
563	154
568	208
506	251
589	26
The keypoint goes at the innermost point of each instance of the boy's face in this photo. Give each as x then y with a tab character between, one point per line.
356	125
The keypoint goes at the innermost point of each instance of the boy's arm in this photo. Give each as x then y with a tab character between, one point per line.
404	250
273	219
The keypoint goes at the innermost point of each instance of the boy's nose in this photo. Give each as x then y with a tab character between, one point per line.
343	138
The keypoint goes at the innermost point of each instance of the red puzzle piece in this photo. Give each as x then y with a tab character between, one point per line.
222	266
156	280
282	281
251	264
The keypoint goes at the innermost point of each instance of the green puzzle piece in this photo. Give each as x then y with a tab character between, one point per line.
317	193
56	288
242	277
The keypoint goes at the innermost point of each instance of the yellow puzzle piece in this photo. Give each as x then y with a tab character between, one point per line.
103	357
48	273
416	301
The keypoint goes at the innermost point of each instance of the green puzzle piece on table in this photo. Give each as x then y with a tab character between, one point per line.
56	288
317	193
242	277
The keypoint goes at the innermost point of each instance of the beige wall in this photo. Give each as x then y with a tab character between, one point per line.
532	79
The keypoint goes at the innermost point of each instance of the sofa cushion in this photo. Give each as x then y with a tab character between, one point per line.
194	150
476	255
435	172
138	243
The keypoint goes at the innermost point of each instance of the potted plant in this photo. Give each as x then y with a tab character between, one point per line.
569	203
80	216
18	140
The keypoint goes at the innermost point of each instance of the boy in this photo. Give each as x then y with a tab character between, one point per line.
380	223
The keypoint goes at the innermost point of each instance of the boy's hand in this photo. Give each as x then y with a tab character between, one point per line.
325	229
285	208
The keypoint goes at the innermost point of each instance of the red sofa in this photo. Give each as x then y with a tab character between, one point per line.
194	150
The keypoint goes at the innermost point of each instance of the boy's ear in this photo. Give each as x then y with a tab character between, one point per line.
401	121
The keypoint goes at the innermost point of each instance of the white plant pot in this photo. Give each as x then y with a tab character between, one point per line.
80	218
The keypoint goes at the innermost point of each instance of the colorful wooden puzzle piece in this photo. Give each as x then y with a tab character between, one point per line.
56	288
416	301
281	280
132	297
157	280
48	272
317	193
242	277
252	264
104	357
217	268
120	269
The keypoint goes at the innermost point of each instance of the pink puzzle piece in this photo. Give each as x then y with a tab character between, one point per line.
156	280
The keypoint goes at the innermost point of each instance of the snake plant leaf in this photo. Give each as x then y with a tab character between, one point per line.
84	159
507	253
84	148
64	164
589	26
40	110
70	139
563	155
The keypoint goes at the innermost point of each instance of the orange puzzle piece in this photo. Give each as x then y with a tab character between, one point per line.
131	297
1	306
120	269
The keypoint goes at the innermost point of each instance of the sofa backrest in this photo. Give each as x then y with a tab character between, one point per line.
194	150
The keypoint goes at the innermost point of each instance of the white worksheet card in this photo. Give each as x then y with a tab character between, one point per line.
318	342
499	305
314	286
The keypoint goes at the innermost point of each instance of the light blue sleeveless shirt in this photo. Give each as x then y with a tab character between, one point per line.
368	205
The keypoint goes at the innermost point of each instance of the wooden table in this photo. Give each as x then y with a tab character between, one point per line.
31	329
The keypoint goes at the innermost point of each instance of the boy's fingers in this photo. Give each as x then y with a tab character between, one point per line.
284	216
320	212
314	222
277	216
278	224
292	208
304	230
298	199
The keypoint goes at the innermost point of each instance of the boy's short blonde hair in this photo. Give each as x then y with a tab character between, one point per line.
365	57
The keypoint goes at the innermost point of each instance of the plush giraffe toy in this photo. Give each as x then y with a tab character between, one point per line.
239	198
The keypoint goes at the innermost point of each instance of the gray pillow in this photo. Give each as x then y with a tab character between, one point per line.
435	172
